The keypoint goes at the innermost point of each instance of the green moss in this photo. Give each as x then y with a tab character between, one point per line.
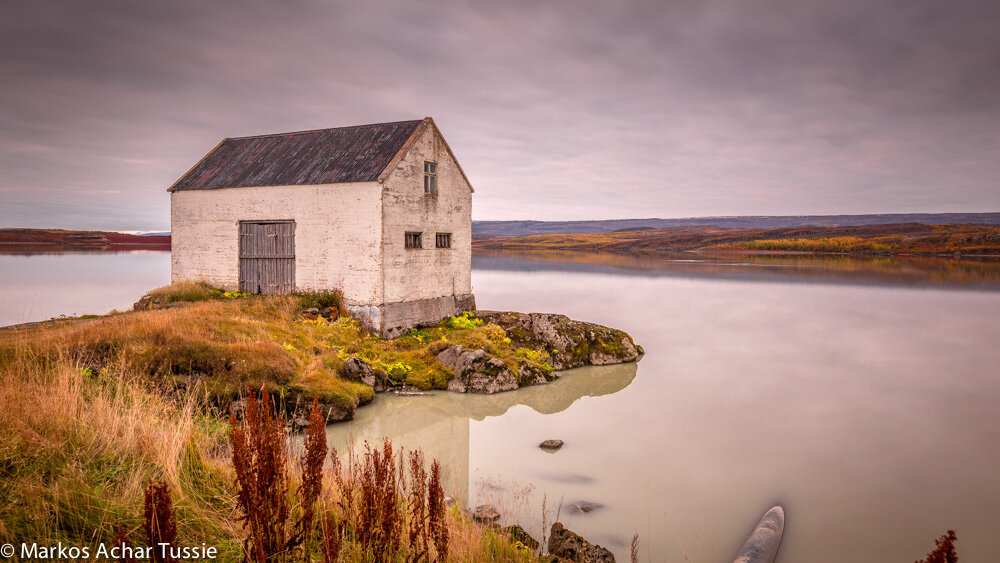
330	388
322	300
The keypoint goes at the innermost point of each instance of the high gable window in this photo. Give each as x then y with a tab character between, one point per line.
413	240
430	178
442	240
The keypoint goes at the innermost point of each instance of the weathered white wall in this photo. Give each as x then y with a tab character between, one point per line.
428	272
337	235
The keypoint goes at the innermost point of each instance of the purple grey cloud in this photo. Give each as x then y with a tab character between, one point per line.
557	109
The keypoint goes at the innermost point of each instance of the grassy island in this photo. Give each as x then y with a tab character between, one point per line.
104	415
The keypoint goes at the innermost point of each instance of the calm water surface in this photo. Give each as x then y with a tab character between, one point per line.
869	410
35	287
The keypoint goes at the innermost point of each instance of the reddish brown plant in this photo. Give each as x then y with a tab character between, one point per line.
312	474
333	538
435	512
418	506
160	525
261	478
944	550
120	541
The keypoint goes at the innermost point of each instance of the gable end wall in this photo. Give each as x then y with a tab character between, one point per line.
437	280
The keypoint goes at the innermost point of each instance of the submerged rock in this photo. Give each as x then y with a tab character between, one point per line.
569	343
568	545
476	371
551	445
583	507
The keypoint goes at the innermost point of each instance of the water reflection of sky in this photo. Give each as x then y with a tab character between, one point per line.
36	287
870	412
913	271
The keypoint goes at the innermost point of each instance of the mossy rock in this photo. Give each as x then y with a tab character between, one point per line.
569	343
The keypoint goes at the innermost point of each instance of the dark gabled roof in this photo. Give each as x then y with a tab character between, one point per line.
324	156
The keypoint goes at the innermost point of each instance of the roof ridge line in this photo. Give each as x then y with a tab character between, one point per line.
306	132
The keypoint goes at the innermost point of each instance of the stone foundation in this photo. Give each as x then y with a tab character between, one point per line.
393	319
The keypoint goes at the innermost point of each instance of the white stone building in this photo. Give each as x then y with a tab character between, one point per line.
381	212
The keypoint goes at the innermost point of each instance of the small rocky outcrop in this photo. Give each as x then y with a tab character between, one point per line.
565	544
152	302
551	445
486	514
333	412
356	369
569	343
517	534
476	371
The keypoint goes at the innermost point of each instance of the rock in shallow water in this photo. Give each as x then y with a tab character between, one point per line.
583	507
551	445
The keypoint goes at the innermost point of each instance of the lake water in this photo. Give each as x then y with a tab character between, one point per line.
866	406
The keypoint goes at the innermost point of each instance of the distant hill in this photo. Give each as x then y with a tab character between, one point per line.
41	238
482	229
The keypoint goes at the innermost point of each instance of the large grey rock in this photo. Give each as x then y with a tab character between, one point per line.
476	371
567	545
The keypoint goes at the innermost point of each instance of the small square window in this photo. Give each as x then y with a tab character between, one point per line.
430	178
442	240
413	240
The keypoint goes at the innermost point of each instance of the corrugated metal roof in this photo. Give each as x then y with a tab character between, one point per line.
324	156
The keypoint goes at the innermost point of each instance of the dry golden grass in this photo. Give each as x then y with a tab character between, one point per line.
79	449
93	410
77	453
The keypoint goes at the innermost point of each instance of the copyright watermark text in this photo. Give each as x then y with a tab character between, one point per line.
63	552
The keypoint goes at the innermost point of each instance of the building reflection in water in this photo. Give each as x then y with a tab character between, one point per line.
438	423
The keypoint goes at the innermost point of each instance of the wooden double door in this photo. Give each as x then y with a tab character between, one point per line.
267	257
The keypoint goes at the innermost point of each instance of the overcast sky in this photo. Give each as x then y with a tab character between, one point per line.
556	109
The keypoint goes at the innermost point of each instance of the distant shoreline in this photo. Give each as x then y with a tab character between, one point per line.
14	239
485	229
916	239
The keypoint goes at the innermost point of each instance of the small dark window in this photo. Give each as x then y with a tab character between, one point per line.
430	178
443	240
413	240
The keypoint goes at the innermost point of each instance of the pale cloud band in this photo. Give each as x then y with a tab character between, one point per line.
557	109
